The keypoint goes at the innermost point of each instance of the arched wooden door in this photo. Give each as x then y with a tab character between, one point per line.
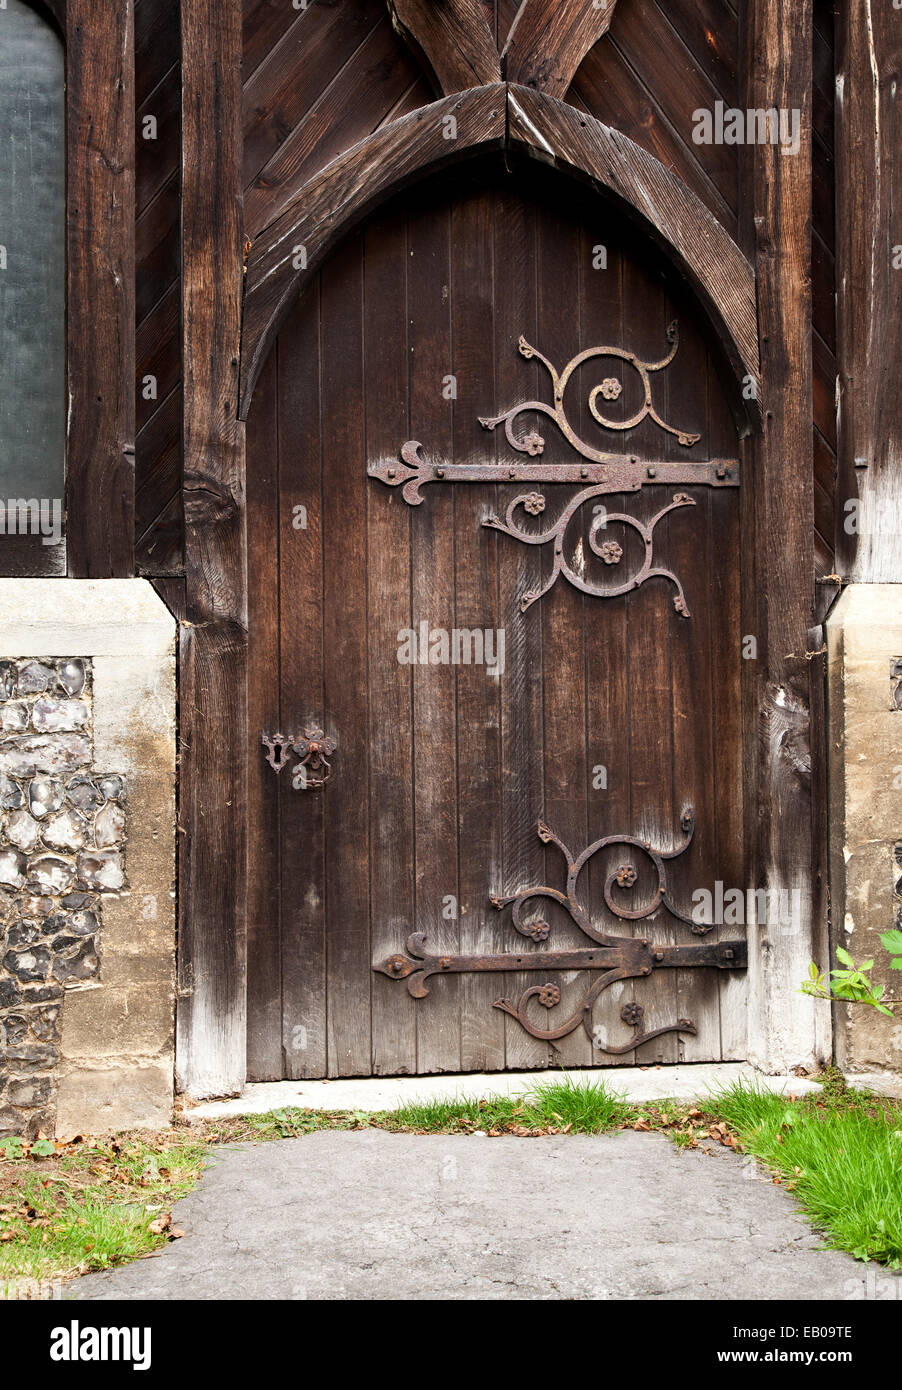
597	710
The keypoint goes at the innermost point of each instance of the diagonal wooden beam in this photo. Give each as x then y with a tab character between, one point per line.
452	41
549	39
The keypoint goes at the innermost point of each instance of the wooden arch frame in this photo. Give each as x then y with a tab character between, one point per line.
509	117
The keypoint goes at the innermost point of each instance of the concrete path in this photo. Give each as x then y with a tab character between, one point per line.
372	1215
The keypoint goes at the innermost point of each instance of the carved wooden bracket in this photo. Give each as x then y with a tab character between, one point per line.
546	43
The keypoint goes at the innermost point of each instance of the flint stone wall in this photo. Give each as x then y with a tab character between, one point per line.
62	837
87	764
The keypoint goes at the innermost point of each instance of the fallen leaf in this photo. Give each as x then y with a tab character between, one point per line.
642	1124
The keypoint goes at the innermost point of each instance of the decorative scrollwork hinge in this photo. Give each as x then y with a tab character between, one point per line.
616	957
601	474
312	749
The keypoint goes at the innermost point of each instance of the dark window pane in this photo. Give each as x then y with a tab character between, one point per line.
32	256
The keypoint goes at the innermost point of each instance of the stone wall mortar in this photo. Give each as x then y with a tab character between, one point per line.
62	843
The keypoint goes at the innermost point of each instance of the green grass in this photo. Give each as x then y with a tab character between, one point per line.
89	1206
839	1153
553	1107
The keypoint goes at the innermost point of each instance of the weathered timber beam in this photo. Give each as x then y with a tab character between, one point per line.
211	1022
869	302
452	41
100	199
549	39
784	1024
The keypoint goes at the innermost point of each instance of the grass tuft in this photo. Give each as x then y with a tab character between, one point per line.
840	1153
588	1106
552	1107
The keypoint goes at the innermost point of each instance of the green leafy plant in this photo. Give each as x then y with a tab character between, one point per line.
851	984
892	940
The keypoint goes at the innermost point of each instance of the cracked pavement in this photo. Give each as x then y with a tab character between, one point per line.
372	1215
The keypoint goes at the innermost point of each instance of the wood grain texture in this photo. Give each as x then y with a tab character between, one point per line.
780	45
433	695
705	254
336	121
341	194
212	874
523	858
293	586
549	39
869	303
265	1046
392	886
451	39
159	527
544	129
478	733
100	483
297	71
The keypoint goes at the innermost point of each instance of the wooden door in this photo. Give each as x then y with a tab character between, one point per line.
455	782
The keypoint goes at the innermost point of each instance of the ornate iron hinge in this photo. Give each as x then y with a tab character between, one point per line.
617	957
606	473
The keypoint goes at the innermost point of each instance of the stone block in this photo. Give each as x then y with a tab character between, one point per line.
864	640
97	1100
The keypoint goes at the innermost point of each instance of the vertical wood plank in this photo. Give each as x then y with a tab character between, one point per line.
435	784
392	790
563	616
519	570
696	664
211	1045
869	303
345	670
100	447
476	587
302	921
728	581
264	981
607	691
654	814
